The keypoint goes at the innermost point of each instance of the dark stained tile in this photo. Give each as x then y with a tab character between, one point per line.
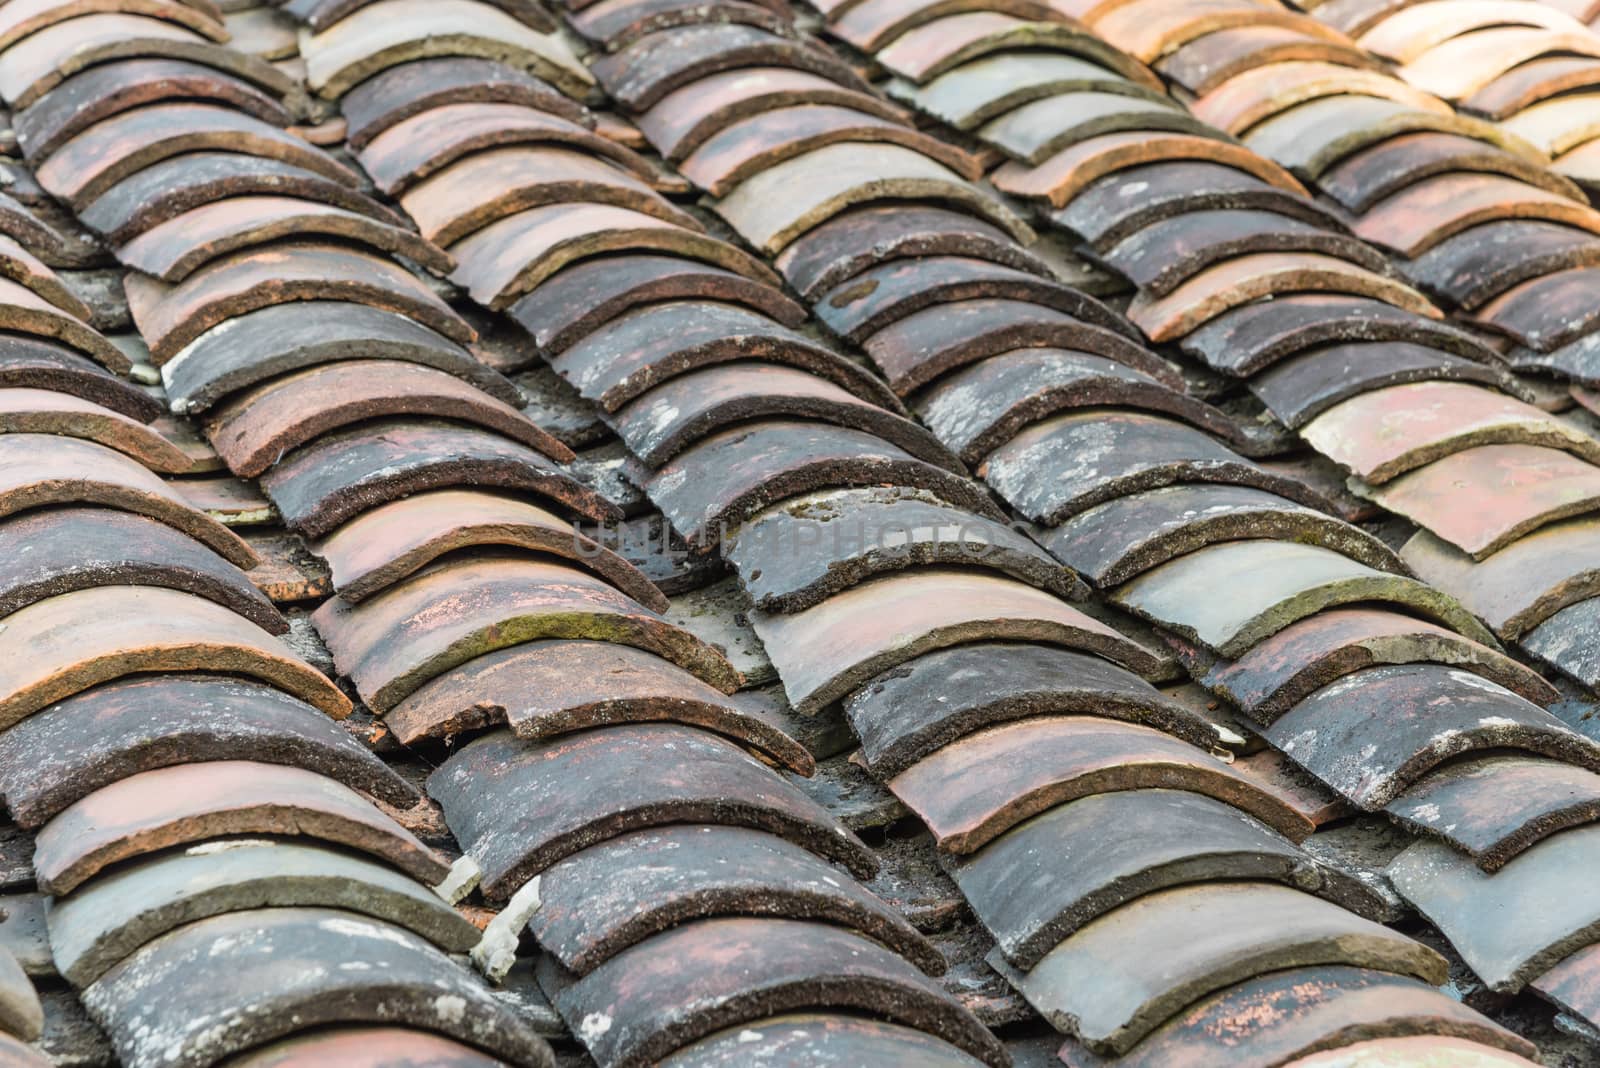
1207	61
981	89
400	92
35	363
1035	131
1484	261
322	14
1533	81
616	24
1563	640
1363	178
1547	312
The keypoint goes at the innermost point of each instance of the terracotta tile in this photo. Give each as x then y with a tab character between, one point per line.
1408	34
1533	81
1495	807
582	789
429	141
1555	126
369	1047
90	163
545	689
870	25
1151	29
43	412
743	149
686	117
1258	94
605	899
1314	652
161	192
860	238
31	16
1356	17
1206	62
1046	879
1521	585
811	1039
907	714
245	350
22	311
616	24
825	181
1387	167
647	346
1570	985
641	75
1059	179
34	363
826	652
321	14
1274	1018
106	90
172	317
939	46
1519	488
1211	935
254	430
512	257
581	298
1460	67
1420	216
1033	132
981	407
1062	466
971	94
723	480
1122	538
1484	261
1430	713
376	37
206	979
113	916
62	50
1114	209
389	646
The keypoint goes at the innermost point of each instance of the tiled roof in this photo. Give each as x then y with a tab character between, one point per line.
893	532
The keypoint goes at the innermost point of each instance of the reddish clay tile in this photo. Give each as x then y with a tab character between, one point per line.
970	95
1059	179
389	646
906	714
1047	761
1495	807
1305	656
676	414
825	181
683	119
58	52
1573	984
46	412
1556	126
342	474
74	548
161	192
1547	312
579	299
254	430
1210	937
826	652
747	147
1115	541
1047	878
171	317
1479	264
1457	68
487	186
411	88
93	161
175	249
23	311
1237	281
859	238
1533	81
937	47
366	1047
1404	720
375	37
1407	34
1517	489
1521	585
27	17
1069	463
431	140
929	343
378	548
21	266
805	1038
652	344
601	901
1262	92
1420	216
1454	894
45	469
1356	17
1312	382
1362	179
199	987
1249	339
1151	29
103	91
870	25
979	408
724	479
545	689
616	24
512	257
1204	63
518	807
321	14
34	363
60	754
763	967
804	550
1275	1018
1115	208
1273	584
1035	131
